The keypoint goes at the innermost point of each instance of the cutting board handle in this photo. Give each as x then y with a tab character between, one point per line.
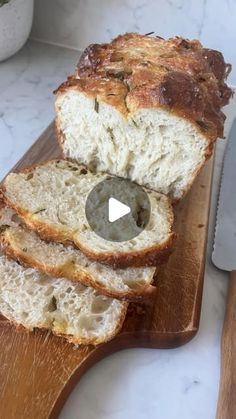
226	408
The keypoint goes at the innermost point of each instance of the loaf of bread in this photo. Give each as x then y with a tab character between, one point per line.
51	199
57	260
78	313
144	108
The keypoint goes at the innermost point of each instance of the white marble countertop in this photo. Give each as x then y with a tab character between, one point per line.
136	383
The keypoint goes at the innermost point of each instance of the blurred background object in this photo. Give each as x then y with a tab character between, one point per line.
16	18
77	23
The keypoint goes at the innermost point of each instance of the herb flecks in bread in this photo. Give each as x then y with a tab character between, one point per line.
159	110
62	188
25	246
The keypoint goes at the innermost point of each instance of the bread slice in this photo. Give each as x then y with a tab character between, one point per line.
51	199
144	108
78	313
58	260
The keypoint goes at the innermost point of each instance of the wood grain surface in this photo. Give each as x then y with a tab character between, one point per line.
226	408
38	370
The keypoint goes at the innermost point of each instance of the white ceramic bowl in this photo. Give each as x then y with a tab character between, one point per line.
15	24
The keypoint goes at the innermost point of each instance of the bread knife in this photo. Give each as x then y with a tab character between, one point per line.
224	257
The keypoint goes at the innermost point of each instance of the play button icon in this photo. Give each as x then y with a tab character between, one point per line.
117	209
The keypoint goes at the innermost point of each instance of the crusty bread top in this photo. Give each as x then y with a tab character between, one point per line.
137	71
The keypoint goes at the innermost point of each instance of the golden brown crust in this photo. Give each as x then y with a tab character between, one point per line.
147	291
136	71
152	256
82	341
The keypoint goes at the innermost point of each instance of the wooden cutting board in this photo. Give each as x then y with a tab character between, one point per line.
39	370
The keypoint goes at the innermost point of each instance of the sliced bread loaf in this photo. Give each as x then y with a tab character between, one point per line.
58	260
51	199
144	108
79	314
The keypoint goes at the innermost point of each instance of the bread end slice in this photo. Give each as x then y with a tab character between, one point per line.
79	314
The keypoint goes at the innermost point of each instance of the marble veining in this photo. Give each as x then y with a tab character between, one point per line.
77	23
136	383
27	81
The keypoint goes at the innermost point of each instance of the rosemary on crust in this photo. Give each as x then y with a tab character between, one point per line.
96	105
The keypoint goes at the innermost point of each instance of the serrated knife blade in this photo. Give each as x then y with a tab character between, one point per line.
224	257
224	250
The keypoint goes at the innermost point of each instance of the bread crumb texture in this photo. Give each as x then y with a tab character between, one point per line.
55	259
144	108
51	198
78	313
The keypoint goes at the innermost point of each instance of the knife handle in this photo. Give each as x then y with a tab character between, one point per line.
226	408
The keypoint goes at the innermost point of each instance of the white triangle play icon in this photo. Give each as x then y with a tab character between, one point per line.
116	210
